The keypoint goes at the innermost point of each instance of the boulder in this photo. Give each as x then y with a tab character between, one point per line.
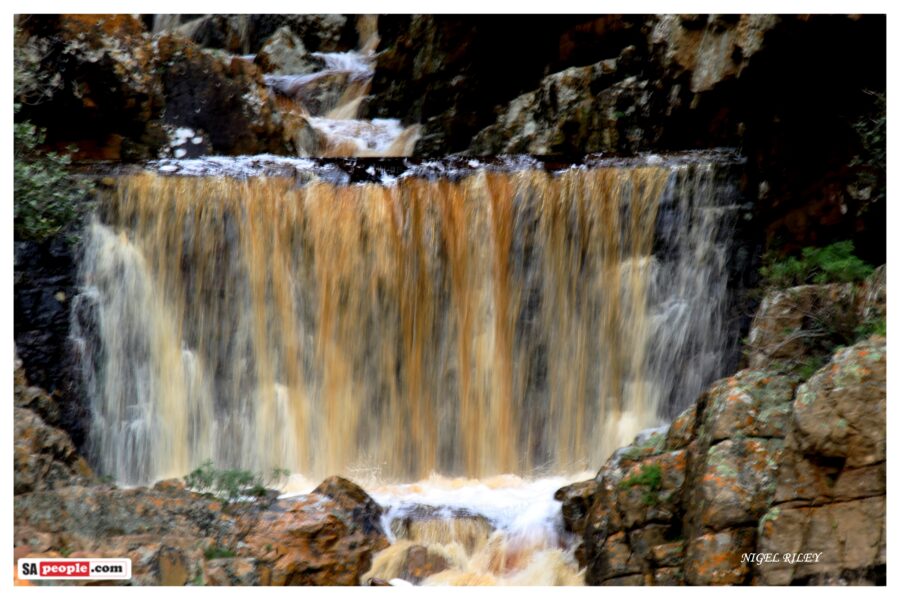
285	54
222	99
44	456
830	497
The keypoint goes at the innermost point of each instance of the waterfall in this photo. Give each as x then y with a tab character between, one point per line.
498	321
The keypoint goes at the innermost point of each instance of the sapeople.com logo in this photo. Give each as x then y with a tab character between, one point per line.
74	568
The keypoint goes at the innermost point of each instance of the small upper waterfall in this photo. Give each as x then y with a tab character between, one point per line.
489	319
328	100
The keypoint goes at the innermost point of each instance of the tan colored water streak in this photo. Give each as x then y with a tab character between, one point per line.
501	323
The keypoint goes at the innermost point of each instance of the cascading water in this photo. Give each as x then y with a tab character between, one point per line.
494	320
329	99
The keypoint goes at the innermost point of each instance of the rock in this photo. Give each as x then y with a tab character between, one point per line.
682	429
44	457
178	537
737	483
804	322
758	464
847	539
840	412
576	111
353	500
714	50
715	558
247	34
89	80
284	53
44	288
750	403
830	497
233	571
576	500
224	100
318	93
313	542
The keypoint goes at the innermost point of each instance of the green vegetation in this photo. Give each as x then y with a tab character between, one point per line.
47	197
650	478
232	485
871	161
213	552
808	367
835	263
871	326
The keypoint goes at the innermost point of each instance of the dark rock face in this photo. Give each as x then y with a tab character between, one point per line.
102	83
444	71
44	286
226	99
247	34
778	87
89	80
759	464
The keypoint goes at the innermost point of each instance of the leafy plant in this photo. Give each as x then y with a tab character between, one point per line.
232	485
47	197
835	263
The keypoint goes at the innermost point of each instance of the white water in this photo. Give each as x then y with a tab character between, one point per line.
502	530
346	78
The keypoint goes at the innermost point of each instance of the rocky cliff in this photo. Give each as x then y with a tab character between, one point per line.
775	476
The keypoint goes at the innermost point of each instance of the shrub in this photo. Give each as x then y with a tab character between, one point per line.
231	485
47	197
835	263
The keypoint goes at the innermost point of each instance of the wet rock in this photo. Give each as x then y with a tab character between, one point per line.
285	54
711	51
178	537
353	500
318	93
89	80
224	100
247	34
576	500
313	541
